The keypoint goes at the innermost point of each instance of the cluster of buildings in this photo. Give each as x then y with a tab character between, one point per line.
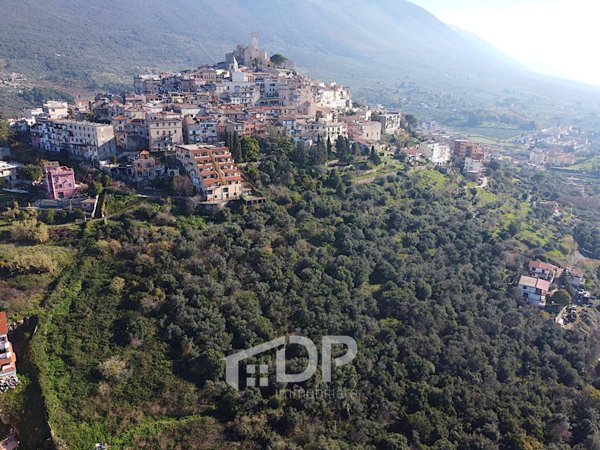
555	157
558	146
469	156
177	122
81	139
185	117
536	285
567	138
247	95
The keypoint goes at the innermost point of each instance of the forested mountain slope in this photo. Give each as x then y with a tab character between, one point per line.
448	358
92	38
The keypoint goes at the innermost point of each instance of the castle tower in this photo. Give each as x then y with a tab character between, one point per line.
254	42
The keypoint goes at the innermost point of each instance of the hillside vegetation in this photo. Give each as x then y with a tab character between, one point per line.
411	265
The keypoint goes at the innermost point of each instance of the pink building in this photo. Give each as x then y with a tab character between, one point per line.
60	182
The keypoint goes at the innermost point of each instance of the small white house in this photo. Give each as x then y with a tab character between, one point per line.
544	270
9	172
534	290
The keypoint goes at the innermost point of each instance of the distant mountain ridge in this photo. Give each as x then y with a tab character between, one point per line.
375	46
488	48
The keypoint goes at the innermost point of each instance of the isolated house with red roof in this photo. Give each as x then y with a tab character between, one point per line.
544	270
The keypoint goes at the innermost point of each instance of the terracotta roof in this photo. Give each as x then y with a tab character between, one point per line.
544	285
538	283
3	325
541	265
576	272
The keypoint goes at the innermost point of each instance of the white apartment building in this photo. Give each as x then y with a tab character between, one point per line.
200	130
436	153
391	122
473	168
56	110
325	130
333	96
86	140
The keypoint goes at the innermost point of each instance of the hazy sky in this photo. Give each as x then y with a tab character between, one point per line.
557	37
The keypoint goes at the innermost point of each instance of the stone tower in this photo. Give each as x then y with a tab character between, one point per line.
254	42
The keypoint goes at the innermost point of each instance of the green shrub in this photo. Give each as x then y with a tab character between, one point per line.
29	231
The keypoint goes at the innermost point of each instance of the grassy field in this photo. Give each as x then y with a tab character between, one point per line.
22	295
389	166
585	166
433	179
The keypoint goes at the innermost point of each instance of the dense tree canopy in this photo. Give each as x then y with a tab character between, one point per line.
31	172
6	133
447	357
588	238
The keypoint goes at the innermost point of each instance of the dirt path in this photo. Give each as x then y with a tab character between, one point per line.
577	259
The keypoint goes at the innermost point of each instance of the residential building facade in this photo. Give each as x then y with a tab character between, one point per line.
534	290
544	270
212	169
9	172
85	140
60	182
145	167
165	130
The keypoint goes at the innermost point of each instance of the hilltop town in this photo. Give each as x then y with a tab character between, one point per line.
201	126
203	123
